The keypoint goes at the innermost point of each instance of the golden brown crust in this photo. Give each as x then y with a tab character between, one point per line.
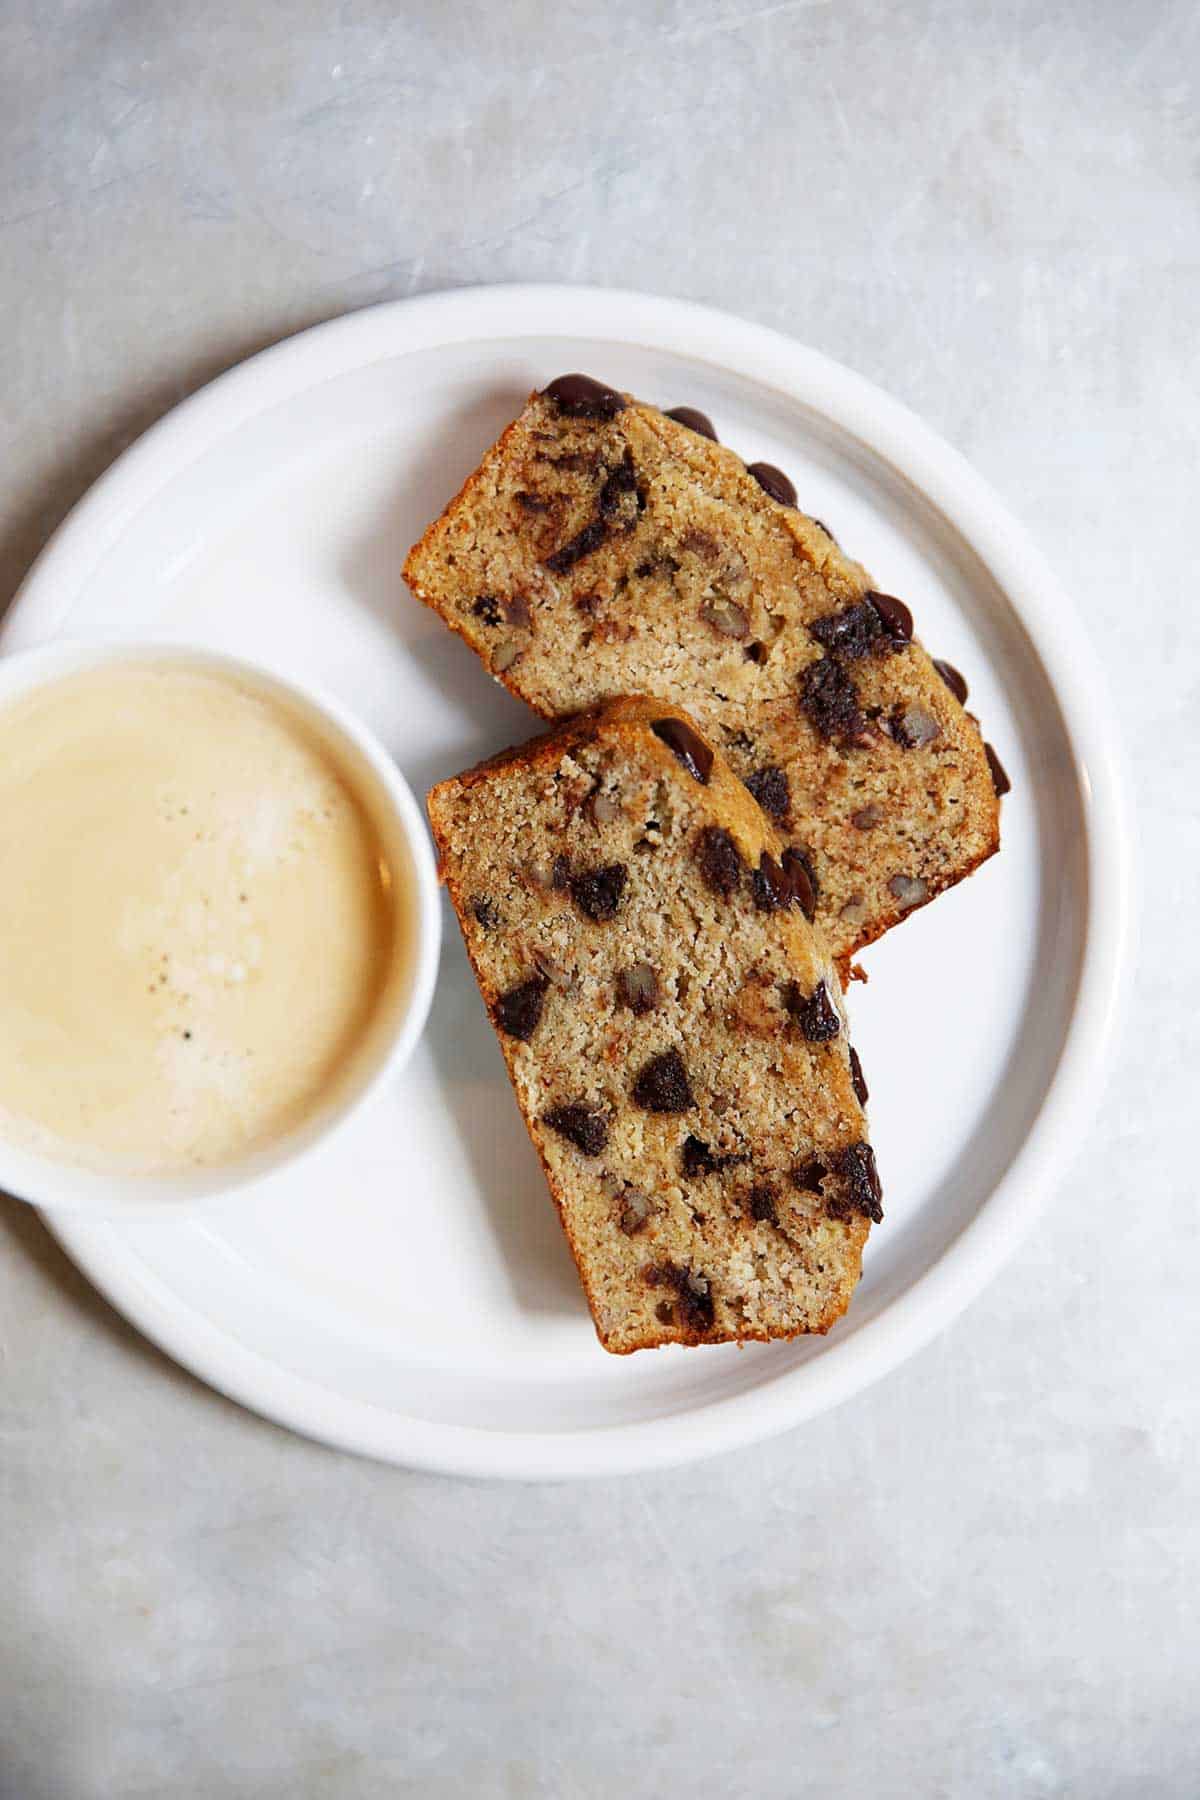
426	550
617	735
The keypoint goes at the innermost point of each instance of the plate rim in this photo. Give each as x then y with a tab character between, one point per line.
805	377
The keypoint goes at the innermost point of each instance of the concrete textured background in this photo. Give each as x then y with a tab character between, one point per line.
978	1579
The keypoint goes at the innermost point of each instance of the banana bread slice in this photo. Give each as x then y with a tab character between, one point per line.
604	547
672	1025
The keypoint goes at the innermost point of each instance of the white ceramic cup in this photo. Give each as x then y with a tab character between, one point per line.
65	1186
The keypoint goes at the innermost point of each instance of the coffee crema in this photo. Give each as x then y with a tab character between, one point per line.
199	926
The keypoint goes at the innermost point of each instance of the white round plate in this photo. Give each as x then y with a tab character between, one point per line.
408	1294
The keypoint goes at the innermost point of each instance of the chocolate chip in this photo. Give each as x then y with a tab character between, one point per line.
618	502
579	397
1000	780
808	1176
697	1159
487	608
597	892
693	1294
576	548
908	891
637	988
664	1312
897	619
531	503
761	1203
695	421
876	625
663	1085
913	728
519	1011
687	745
858	1078
755	653
560	874
719	859
816	1015
696	1302
487	913
726	617
802	879
770	788
584	1126
773	481
854	632
829	700
769	885
953	680
867	817
864	1194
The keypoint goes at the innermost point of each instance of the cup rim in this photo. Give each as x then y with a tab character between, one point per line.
61	1187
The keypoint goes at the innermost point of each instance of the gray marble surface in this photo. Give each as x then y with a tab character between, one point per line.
978	1579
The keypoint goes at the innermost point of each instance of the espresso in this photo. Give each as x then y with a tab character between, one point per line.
199	926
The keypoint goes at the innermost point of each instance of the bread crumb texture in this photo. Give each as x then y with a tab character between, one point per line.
673	1027
603	548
